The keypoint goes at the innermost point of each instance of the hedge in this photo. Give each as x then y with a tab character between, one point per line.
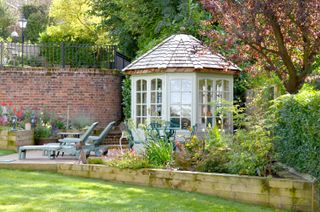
296	124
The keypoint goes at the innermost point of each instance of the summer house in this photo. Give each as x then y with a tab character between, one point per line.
181	81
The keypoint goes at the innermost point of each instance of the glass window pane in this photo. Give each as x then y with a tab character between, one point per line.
210	98
144	98
144	85
210	121
175	122
138	110
138	84
226	85
202	85
153	84
138	120
159	97
159	110
175	85
202	96
219	86
175	98
186	98
186	85
209	111
153	97
226	96
138	95
175	110
185	123
209	85
159	85
204	110
186	110
144	110
153	110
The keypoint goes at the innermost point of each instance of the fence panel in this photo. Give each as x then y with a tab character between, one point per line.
62	55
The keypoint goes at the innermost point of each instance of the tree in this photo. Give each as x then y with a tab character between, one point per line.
5	20
71	21
137	25
278	36
37	17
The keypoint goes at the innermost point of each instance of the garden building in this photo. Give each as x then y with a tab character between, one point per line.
181	81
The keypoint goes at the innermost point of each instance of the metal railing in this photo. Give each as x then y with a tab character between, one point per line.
63	55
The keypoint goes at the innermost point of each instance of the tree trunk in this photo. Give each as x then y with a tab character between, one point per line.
293	84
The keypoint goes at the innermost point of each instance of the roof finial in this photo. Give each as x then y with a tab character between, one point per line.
182	30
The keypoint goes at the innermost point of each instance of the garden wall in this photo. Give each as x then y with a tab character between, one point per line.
13	139
86	91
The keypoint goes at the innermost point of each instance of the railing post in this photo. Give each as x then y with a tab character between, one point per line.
62	55
115	57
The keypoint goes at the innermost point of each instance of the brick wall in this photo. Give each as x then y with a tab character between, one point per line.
93	92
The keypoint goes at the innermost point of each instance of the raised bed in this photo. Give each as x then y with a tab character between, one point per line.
13	139
279	193
301	195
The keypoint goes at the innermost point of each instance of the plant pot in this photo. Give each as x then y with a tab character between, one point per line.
42	141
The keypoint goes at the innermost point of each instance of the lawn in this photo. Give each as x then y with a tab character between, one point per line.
6	152
42	191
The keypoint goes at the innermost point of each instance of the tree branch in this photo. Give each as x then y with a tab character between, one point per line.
281	45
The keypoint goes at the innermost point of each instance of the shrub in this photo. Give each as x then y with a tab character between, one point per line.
159	152
296	120
251	152
42	131
96	161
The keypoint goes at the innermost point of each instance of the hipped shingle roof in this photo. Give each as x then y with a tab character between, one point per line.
181	51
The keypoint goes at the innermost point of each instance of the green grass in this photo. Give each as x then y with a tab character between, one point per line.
6	152
42	191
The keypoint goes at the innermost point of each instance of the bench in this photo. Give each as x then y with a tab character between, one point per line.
50	149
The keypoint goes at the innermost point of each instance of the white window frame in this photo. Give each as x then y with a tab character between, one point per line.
149	78
214	79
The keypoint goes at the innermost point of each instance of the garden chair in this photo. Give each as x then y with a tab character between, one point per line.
71	145
94	142
136	138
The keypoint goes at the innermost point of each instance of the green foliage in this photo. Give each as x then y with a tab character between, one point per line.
37	17
96	161
6	20
296	120
71	21
42	131
129	161
126	97
251	152
248	151
137	25
159	152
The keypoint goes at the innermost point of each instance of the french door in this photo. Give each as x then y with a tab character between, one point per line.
148	101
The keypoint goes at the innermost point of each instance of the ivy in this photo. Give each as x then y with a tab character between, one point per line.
126	97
